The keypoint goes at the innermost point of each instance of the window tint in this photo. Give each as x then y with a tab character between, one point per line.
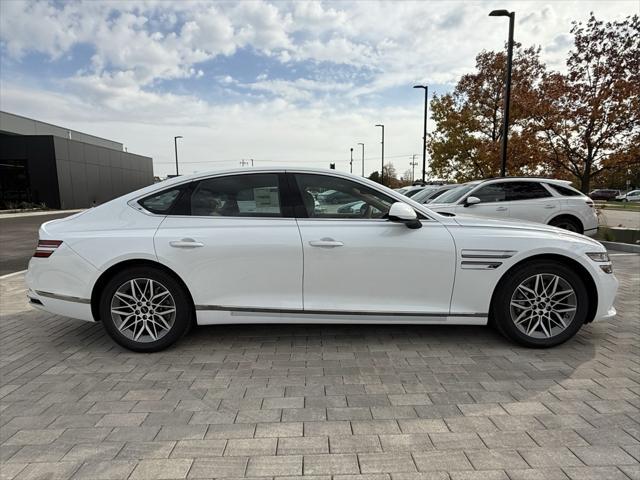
525	191
334	197
161	202
237	196
565	191
491	193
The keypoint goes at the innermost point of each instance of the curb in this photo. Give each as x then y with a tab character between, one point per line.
622	247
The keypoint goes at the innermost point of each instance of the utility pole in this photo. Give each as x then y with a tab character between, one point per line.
362	157
351	162
507	89
175	145
413	167
424	130
382	163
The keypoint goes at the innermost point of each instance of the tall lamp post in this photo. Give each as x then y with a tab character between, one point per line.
351	161
382	164
362	157
507	89
175	145
424	130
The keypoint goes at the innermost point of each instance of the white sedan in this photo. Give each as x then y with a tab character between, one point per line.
251	246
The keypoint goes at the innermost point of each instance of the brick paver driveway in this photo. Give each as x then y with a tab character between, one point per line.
397	402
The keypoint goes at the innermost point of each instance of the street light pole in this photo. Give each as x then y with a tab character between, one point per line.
175	145
424	130
351	162
507	89
382	164
413	167
362	157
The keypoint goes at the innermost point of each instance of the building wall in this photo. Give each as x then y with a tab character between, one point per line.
18	125
90	175
37	154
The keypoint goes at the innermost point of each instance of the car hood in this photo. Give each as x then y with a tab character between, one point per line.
524	226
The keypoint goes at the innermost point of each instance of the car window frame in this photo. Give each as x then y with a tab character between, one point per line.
541	184
287	202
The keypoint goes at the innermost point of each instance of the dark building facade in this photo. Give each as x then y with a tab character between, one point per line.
66	173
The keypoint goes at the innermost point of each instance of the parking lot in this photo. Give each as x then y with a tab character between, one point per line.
341	402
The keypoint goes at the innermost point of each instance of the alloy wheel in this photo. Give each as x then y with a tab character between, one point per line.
143	310
543	305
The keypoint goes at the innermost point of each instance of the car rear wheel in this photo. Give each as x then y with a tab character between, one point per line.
567	223
541	304
145	309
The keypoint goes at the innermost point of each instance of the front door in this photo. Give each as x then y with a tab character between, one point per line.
357	261
493	202
233	245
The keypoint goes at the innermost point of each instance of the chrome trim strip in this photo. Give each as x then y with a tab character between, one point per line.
493	254
66	298
332	312
480	265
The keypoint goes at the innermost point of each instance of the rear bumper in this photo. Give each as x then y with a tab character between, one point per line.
73	307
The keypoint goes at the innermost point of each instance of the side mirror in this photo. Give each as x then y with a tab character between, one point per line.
471	201
403	213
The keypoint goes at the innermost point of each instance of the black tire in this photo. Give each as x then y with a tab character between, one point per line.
501	303
567	223
181	321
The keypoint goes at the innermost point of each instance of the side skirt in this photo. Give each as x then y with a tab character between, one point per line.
216	315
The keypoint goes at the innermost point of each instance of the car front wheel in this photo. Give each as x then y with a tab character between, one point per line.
145	309
541	304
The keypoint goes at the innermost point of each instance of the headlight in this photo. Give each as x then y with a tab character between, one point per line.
598	256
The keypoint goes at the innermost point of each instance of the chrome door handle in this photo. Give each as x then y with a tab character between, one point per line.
186	243
501	209
326	243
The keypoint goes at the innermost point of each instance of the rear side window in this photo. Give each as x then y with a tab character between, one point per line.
161	203
565	191
525	191
248	195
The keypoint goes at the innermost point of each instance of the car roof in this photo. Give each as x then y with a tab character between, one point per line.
526	179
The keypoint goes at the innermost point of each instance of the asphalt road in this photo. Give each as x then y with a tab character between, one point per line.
619	218
18	237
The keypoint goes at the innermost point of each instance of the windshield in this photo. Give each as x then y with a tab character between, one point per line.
424	194
456	194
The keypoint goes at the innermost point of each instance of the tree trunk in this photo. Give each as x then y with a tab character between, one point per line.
586	176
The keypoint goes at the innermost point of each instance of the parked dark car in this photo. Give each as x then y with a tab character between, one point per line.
604	194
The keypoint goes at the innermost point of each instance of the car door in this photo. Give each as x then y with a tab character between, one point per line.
234	245
357	261
493	202
531	201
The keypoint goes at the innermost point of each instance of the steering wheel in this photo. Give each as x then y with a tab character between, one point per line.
366	210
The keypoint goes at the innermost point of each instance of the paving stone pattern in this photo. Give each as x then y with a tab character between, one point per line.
324	402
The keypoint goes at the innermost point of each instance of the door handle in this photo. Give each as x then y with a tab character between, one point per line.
326	243
186	243
549	206
501	209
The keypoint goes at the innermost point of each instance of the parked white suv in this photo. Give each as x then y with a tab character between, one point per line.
552	202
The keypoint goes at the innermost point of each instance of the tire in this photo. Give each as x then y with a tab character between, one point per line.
567	223
513	305
155	326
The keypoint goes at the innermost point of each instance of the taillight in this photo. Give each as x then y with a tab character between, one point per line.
46	247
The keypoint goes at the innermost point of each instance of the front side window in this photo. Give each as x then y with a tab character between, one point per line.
252	195
491	193
525	191
455	194
334	197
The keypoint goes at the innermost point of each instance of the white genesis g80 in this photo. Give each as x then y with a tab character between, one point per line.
275	246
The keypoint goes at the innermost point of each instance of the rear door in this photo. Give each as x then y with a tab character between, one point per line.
531	201
233	243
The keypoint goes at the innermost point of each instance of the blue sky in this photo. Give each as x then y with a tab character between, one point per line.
280	82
